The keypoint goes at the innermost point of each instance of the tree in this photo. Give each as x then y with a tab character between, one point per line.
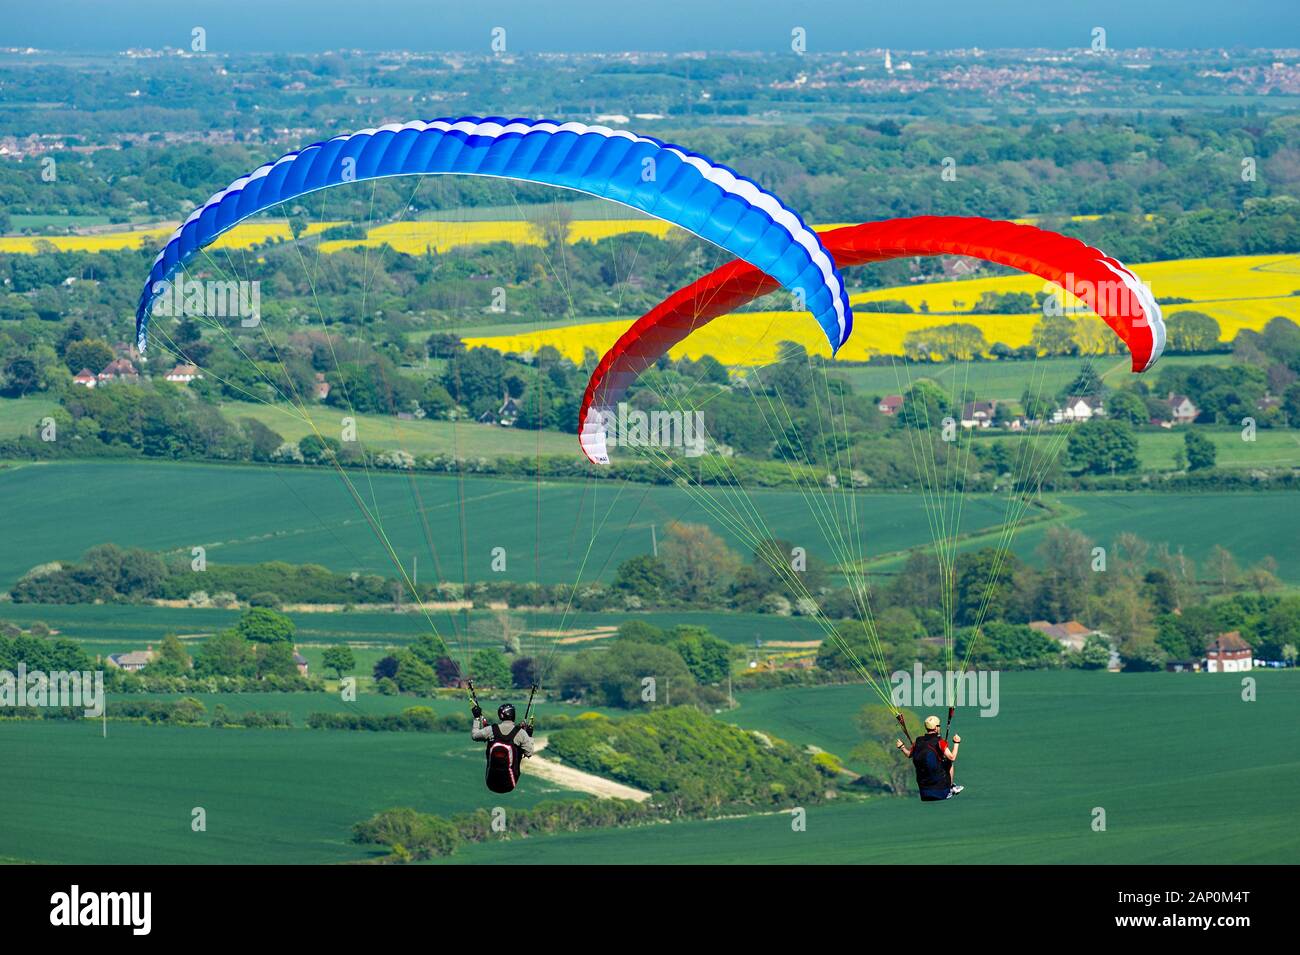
92	353
1222	569
429	648
925	405
1086	383
1128	407
476	375
488	668
318	448
708	657
985	585
617	676
1102	446
1038	405
697	563
641	576
448	671
502	626
884	766
264	440
413	674
385	668
339	658
1191	331
958	341
1064	573
276	659
436	400
1054	335
225	653
778	568
1123	613
1201	451
1095	654
172	660
1092	336
264	625
524	672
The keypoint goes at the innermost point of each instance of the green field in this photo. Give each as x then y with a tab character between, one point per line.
562	531
1163	754
1269	449
105	628
1003	380
271	796
464	439
22	416
1157	447
1252	525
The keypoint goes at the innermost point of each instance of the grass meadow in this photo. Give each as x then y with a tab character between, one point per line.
1185	770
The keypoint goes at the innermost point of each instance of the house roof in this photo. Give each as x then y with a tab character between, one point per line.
119	366
184	370
1061	631
891	401
134	658
1230	642
84	373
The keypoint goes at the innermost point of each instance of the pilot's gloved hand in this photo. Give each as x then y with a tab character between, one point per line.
477	711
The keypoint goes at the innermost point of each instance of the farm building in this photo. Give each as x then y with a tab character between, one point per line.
1070	634
890	404
184	374
119	369
978	414
1228	653
1079	408
86	378
135	660
1182	410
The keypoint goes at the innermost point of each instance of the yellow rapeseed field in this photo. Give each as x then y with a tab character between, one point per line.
413	238
1239	291
243	236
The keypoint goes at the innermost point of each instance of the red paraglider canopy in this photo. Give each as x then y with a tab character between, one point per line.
1102	283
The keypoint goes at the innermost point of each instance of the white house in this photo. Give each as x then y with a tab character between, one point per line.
978	414
890	404
1228	653
1079	408
1181	409
135	660
184	374
119	369
1071	634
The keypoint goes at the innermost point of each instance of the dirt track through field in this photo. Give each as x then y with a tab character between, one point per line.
571	778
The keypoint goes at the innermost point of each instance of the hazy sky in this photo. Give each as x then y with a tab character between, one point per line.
615	25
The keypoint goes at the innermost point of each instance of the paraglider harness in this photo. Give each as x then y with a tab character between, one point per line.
503	754
928	758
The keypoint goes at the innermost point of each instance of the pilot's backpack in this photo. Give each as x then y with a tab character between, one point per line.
503	758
